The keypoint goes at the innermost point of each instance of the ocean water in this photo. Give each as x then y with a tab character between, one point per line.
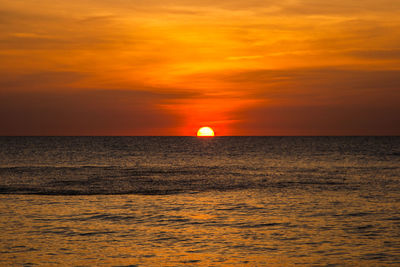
186	201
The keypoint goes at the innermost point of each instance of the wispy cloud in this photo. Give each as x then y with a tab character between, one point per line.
244	57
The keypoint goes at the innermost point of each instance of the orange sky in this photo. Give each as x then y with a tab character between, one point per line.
243	67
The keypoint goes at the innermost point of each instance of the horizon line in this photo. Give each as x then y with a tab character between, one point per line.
199	137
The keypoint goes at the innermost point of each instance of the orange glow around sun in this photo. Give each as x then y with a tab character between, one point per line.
205	132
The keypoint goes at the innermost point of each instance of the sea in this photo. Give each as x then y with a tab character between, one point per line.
189	201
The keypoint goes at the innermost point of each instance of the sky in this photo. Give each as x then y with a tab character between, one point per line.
242	67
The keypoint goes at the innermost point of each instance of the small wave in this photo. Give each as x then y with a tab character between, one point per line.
260	225
141	185
356	214
108	217
161	180
375	256
96	233
53	167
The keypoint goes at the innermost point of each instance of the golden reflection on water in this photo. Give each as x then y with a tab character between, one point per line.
207	229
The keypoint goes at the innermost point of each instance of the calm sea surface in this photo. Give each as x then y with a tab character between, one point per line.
176	201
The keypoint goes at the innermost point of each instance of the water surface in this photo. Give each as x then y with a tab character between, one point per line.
174	201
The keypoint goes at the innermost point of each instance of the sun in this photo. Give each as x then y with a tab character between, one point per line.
205	132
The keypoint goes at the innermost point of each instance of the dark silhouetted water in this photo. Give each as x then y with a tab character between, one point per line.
173	201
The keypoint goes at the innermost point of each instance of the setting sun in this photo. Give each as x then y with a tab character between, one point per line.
205	131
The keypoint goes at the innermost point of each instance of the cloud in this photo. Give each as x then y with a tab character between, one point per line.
381	54
100	112
244	57
49	80
98	18
57	103
331	119
322	101
324	79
